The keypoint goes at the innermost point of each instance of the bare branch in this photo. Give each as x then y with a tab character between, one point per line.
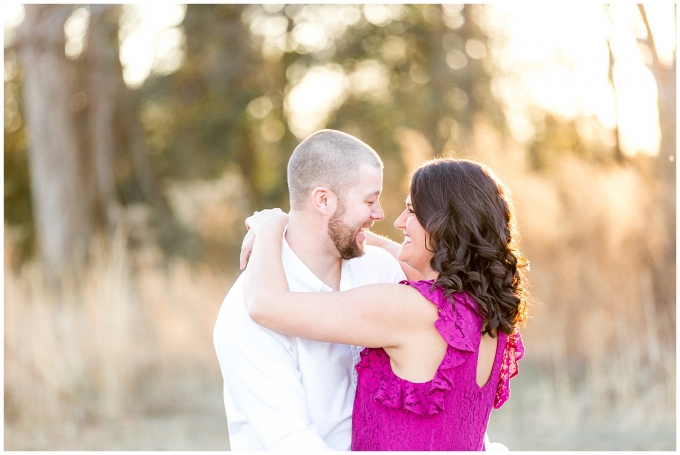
650	37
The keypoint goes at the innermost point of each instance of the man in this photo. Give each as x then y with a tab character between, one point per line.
288	393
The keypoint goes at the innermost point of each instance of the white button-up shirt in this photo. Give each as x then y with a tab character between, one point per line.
288	393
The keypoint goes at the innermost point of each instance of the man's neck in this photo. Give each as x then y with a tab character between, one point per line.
308	238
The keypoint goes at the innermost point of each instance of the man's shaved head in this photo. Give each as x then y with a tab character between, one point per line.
330	159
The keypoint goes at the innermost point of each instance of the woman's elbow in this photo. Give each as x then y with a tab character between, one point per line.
256	314
256	311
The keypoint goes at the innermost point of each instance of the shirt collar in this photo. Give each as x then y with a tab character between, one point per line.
300	278
346	275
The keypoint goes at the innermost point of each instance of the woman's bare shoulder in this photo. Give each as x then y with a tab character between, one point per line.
400	298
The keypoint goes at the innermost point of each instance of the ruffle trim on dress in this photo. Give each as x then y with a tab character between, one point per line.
514	351
427	398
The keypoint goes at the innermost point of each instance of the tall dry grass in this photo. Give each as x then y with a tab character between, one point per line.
130	338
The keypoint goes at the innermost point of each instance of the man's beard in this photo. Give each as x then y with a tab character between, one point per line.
343	236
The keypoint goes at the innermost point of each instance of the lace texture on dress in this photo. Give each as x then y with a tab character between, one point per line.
514	351
427	398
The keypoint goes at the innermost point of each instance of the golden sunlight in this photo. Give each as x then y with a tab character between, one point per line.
557	56
150	40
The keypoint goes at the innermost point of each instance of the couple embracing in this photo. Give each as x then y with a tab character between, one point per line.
336	338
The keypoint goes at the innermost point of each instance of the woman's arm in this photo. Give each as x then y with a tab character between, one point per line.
392	247
386	244
380	315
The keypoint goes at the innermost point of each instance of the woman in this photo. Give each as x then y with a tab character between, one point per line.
440	351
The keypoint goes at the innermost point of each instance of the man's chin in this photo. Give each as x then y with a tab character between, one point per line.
355	251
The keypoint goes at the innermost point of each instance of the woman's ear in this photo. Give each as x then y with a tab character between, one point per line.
324	200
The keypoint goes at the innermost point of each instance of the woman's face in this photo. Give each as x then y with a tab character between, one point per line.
413	251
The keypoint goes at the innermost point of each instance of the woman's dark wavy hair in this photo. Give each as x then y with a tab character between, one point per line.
469	217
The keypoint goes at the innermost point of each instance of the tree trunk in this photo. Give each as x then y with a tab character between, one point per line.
666	85
115	134
102	71
618	155
663	277
62	205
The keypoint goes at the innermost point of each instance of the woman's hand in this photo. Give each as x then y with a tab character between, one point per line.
269	218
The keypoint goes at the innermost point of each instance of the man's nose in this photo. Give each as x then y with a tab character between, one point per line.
378	213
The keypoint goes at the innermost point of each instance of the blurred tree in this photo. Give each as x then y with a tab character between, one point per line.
418	76
114	137
618	154
17	191
102	79
81	130
218	118
206	125
665	77
663	265
438	83
62	202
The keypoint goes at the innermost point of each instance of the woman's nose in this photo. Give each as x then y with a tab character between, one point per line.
399	223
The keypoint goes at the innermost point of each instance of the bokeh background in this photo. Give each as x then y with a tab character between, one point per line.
138	138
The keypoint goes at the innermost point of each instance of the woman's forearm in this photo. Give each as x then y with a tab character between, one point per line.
264	275
386	244
392	247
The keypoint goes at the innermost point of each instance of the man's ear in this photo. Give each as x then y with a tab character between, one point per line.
324	200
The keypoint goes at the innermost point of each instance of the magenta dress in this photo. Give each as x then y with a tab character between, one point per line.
450	412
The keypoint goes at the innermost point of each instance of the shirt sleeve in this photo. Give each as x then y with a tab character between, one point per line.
262	372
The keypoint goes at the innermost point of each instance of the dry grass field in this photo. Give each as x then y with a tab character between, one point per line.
123	358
